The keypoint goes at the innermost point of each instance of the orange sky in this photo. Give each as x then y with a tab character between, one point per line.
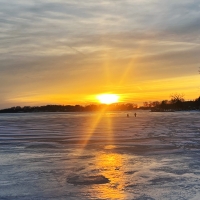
64	52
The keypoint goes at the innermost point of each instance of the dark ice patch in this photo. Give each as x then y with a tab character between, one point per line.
130	172
86	157
162	180
132	185
88	180
41	146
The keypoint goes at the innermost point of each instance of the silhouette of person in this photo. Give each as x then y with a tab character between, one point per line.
135	114
127	115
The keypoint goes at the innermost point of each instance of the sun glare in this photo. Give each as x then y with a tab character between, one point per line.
108	98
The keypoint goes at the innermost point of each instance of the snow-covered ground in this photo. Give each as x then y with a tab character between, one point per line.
100	156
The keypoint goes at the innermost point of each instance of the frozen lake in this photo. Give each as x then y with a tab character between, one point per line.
100	156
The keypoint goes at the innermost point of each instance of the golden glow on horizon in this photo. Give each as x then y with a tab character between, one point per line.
108	98
149	90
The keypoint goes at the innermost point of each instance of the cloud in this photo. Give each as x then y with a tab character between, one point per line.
68	41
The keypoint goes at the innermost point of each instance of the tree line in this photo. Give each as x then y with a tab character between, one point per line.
71	108
176	103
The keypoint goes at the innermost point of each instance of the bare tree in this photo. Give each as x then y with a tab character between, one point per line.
155	103
176	97
146	104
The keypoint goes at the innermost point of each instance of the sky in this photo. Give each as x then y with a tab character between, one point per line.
67	52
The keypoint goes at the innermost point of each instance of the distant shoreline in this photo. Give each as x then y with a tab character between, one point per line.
173	105
70	108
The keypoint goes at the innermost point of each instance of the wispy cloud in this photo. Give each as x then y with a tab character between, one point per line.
71	41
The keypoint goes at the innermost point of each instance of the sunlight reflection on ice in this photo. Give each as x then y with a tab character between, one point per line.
111	166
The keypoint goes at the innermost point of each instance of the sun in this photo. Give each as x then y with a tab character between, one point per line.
108	98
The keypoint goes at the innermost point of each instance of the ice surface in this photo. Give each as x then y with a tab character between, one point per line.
100	156
87	180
